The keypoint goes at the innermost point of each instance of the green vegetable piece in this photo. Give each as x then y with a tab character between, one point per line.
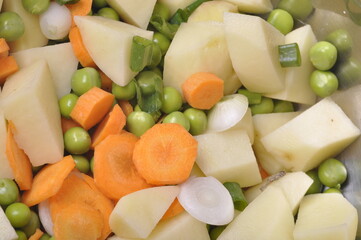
253	97
141	53
289	55
172	100
299	9
124	93
84	79
342	40
162	41
178	17
34	223
149	91
216	231
177	117
36	6
9	191
52	238
21	235
316	186
62	2
197	119
18	214
11	26
138	122
97	4
109	13
266	106
239	200
332	173
92	164
332	190
323	55
348	73
323	83
81	163
77	140
45	237
67	103
161	10
156	56
164	27
156	115
282	106
282	20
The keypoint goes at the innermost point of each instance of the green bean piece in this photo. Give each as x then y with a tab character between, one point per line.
156	56
323	83
11	26
316	186
282	106
266	106
216	231
253	97
164	27
62	2
289	55
149	89
34	223
178	17
282	20
239	200
348	73
141	53
299	9
342	40
109	13
36	6
161	10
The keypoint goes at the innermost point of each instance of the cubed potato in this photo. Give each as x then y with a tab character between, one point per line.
174	5
212	11
255	6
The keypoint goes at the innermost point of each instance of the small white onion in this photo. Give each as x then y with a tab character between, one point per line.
55	22
206	199
45	217
227	112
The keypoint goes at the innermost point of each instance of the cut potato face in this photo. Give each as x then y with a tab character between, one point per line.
174	5
255	6
212	11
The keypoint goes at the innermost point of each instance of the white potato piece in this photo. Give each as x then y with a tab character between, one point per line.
263	125
131	12
326	217
61	61
32	37
246	124
269	217
212	11
253	48
228	156
29	100
199	47
7	232
109	44
174	5
254	6
5	169
297	87
320	132
137	214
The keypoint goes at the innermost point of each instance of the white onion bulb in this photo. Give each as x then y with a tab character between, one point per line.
45	217
55	22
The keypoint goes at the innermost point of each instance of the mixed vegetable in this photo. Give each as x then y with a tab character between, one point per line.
112	141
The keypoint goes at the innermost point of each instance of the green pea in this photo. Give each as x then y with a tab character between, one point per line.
157	71
172	100
67	103
282	106
109	13
9	191
323	55
36	6
11	26
18	214
146	83
177	117
281	20
138	122
156	56
92	164
21	235
84	79
216	231
299	9
348	73
162	41
342	40
266	106
77	140
81	163
155	115
161	10
332	190
45	237
99	4
52	238
197	120
332	173
124	93
316	186
323	83
34	223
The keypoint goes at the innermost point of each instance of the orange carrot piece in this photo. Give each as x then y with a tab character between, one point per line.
78	222
48	181
202	90
8	66
113	123
66	124
18	160
91	107
165	154
126	107
81	8
4	48
79	49
37	235
174	209
114	172
106	82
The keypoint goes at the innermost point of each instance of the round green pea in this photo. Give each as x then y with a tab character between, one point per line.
84	79
34	223
109	13
9	191
124	93
323	55
348	73
138	122
161	10
282	106
177	117
92	164
332	173
157	71
281	20
266	106
197	120
299	9
45	237
316	186
323	83
156	56
52	238
332	190
11	26
67	103
81	163
77	140
18	214
36	6
162	41
172	100
21	235
342	40
155	115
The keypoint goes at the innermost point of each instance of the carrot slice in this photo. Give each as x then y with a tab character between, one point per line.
165	154
113	123
202	90
80	52
37	235
126	107
18	160
91	107
8	66
78	222
48	181
81	8
114	172
174	209
106	82
4	48
66	124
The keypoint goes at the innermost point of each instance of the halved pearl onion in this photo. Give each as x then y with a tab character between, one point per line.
45	217
227	112
206	199
55	22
